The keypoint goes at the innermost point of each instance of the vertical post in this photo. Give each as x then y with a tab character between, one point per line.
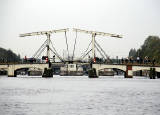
11	71
48	43
158	74
93	45
129	72
152	73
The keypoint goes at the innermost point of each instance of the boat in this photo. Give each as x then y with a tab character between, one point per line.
71	70
106	72
34	72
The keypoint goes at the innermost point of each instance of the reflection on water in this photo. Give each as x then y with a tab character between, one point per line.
79	95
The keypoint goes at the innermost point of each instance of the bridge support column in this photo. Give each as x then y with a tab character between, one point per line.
47	72
93	73
140	72
11	73
152	73
158	74
129	72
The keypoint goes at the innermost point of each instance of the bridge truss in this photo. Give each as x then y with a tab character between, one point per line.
94	43
47	43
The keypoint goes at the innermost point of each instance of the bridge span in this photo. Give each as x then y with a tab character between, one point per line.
12	68
127	68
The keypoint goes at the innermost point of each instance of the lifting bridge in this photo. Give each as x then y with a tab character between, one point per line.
128	69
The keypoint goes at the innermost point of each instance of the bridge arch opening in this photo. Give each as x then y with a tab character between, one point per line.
145	73
119	71
111	72
141	72
3	71
30	71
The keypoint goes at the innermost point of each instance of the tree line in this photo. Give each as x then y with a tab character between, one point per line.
150	50
8	56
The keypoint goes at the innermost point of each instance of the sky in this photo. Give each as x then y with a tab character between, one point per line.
134	19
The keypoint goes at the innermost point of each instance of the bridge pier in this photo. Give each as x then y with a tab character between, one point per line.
129	72
158	74
152	73
11	71
47	72
140	72
93	73
12	75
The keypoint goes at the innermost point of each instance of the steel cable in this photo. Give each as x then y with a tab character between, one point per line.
74	45
67	43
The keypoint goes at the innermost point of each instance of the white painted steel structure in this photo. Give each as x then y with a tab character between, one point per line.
124	68
11	68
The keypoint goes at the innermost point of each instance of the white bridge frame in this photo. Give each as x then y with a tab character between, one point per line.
11	68
129	69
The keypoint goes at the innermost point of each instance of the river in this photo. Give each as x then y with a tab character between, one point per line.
79	95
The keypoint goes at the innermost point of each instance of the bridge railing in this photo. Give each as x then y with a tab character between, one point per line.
129	63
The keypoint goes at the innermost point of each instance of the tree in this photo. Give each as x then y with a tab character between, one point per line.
132	53
150	48
8	56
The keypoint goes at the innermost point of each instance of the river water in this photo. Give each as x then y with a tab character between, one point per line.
79	95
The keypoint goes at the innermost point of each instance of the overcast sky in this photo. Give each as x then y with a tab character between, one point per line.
134	19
